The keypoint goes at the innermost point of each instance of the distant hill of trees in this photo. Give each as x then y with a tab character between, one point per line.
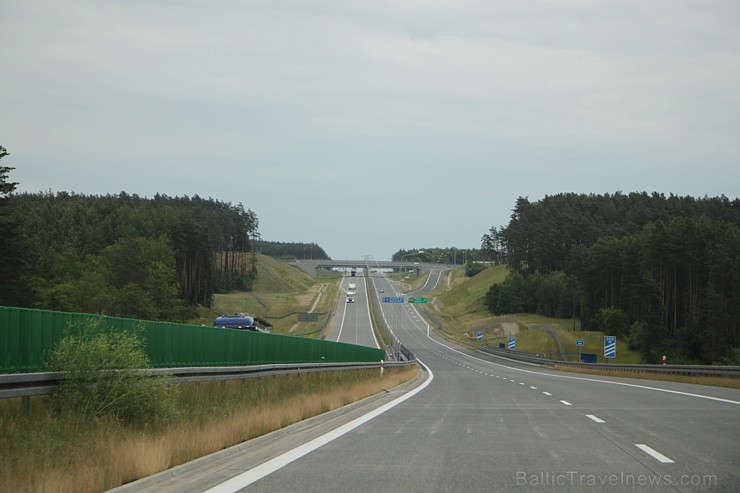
292	251
438	255
122	254
662	271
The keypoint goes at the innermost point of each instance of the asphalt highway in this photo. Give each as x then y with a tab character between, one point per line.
351	323
484	423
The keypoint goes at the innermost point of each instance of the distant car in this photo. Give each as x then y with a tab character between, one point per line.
381	290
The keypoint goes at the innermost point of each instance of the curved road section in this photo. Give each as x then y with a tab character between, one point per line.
484	423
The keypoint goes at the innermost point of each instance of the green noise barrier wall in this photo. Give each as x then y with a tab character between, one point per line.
27	336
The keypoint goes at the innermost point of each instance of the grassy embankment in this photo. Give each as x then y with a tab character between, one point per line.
44	452
409	281
458	303
280	292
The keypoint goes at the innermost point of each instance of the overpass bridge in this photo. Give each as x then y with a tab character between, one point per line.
312	267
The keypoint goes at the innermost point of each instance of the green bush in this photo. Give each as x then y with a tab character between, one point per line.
473	268
103	377
612	321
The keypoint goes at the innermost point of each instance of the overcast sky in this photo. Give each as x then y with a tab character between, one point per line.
371	126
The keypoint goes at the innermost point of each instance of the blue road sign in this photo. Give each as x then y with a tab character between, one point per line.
512	343
392	299
479	337
580	342
610	347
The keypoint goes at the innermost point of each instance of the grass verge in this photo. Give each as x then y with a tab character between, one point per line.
44	452
460	308
281	291
732	383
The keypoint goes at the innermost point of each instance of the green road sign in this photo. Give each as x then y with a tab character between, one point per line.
418	300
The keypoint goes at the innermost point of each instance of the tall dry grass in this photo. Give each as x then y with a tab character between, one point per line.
42	452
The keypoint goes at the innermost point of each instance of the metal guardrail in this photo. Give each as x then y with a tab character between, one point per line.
694	370
405	355
14	385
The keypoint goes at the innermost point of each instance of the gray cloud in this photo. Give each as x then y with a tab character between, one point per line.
368	127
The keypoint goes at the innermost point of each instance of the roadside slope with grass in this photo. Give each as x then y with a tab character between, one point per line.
460	307
280	292
42	451
458	303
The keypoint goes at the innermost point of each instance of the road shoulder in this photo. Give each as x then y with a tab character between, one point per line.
208	471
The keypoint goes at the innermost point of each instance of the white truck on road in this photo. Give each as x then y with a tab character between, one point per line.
351	290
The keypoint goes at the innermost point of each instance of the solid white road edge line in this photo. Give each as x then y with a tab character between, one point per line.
655	454
255	474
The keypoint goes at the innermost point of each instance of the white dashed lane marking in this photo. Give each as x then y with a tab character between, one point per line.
654	453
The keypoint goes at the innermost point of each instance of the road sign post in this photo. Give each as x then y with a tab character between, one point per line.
610	347
308	317
512	343
580	343
418	300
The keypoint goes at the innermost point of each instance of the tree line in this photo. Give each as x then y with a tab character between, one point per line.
439	255
12	257
661	271
292	251
121	254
